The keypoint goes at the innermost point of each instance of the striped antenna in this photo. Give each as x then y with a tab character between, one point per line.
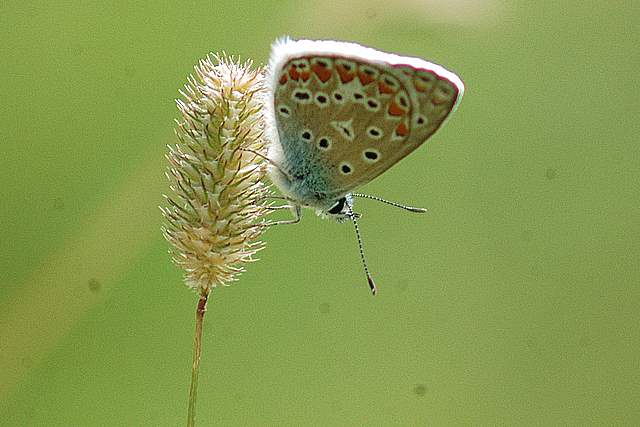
397	205
353	217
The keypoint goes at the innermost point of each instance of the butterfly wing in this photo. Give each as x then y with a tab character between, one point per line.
353	112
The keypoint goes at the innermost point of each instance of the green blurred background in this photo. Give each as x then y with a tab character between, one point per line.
514	301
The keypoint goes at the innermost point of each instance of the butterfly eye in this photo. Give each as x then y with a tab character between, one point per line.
337	208
345	168
324	143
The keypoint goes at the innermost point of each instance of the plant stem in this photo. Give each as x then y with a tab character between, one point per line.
197	348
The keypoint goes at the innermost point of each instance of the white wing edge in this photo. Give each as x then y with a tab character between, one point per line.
285	48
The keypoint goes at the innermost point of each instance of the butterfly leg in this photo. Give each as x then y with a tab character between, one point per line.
296	212
279	208
275	197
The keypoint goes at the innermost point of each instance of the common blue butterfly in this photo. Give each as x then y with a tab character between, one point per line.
341	114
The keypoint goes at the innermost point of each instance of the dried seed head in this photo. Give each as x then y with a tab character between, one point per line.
217	207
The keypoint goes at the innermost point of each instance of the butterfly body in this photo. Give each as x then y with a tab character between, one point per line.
308	178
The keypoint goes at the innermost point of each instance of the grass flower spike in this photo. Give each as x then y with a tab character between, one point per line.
216	171
216	211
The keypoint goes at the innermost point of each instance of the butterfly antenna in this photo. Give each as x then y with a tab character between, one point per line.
372	284
388	202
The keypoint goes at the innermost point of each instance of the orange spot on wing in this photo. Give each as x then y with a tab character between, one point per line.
283	79
395	110
345	76
305	75
383	88
365	78
293	72
323	73
402	130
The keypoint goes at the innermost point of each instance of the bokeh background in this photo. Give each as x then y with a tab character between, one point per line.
514	301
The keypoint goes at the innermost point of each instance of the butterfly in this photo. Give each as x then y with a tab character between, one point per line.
340	114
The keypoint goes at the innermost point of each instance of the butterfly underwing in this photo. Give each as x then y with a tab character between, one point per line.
341	114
